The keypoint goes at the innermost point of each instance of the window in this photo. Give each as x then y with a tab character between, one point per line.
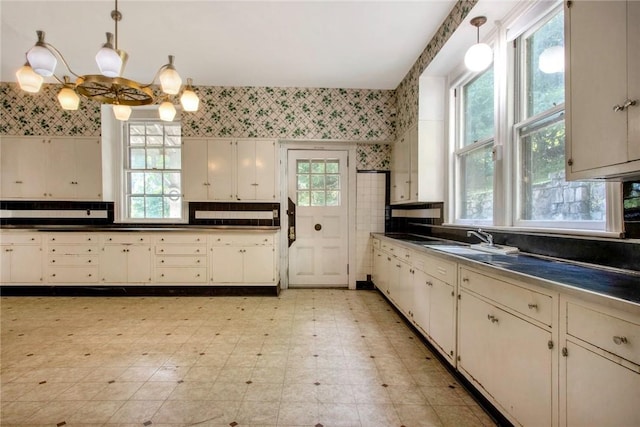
318	182
543	196
474	158
152	172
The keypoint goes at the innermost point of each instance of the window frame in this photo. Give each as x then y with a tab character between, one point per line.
124	169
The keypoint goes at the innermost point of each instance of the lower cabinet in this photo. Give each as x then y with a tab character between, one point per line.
20	258
125	258
380	273
181	258
243	259
599	367
72	258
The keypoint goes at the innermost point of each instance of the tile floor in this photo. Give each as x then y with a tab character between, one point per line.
306	358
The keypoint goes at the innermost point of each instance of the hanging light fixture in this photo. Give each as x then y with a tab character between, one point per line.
167	111
108	87
480	55
189	99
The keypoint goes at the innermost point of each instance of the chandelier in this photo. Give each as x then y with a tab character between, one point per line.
108	87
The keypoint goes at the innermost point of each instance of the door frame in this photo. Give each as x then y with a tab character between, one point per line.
350	148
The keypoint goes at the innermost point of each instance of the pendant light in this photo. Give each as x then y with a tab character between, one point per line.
189	99
167	111
29	80
480	55
121	112
67	97
551	60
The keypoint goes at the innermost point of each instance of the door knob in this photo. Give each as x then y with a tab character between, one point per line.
318	227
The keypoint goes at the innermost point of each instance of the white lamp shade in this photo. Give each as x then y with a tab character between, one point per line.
42	60
189	100
552	60
109	62
68	99
478	57
122	112
170	81
29	80
167	111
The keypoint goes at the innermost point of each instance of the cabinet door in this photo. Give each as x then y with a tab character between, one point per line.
88	166
113	264
380	272
400	170
61	169
226	264
597	38
22	167
246	167
442	316
195	181
599	392
5	264
404	296
138	263
633	70
395	267
265	170
413	162
422	299
220	170
26	263
259	264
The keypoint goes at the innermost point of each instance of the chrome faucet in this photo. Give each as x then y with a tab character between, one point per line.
482	235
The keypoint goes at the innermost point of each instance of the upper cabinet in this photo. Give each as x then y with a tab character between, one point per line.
603	89
228	170
51	168
401	166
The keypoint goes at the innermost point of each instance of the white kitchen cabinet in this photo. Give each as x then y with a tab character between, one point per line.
181	258
401	169
20	258
208	172
434	311
125	258
256	169
600	367
243	258
507	356
603	89
380	273
229	169
51	168
22	171
72	258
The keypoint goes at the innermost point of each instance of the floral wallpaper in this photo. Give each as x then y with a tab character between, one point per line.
407	90
282	113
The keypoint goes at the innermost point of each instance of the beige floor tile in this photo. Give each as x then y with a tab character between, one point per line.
257	413
418	415
95	412
136	411
117	391
196	412
154	390
377	415
457	416
298	413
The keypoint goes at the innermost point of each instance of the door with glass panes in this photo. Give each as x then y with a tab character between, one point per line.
317	185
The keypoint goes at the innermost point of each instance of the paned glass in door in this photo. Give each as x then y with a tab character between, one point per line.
318	182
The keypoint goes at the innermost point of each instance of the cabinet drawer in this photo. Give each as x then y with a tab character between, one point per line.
534	305
20	238
610	333
125	238
180	250
72	260
440	269
73	274
181	275
180	238
181	261
71	238
73	249
243	240
376	243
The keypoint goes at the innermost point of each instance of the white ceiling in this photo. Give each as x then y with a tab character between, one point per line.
345	44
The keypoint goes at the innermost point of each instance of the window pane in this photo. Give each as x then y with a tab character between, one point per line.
173	140
317	166
136	129
137	158
136	182
545	67
155	140
171	183
303	182
317	182
476	192
154	128
172	158
333	182
153	183
137	140
153	206
136	207
155	159
333	166
317	198
478	108
172	130
172	207
333	198
303	198
544	193
303	166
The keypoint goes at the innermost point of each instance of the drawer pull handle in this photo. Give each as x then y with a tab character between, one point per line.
620	340
465	279
533	306
493	318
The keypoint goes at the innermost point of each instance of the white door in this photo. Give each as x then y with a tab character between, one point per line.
318	186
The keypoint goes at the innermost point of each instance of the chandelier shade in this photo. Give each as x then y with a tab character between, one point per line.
108	87
480	55
29	80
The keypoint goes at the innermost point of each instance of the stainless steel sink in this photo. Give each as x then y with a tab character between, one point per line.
495	249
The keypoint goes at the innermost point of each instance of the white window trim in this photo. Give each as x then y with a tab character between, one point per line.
501	39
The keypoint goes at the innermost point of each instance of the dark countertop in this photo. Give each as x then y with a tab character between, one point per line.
616	284
140	228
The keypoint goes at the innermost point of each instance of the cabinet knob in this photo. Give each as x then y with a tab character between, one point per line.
465	279
162	275
162	262
533	306
18	182
619	340
53	260
197	261
493	318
